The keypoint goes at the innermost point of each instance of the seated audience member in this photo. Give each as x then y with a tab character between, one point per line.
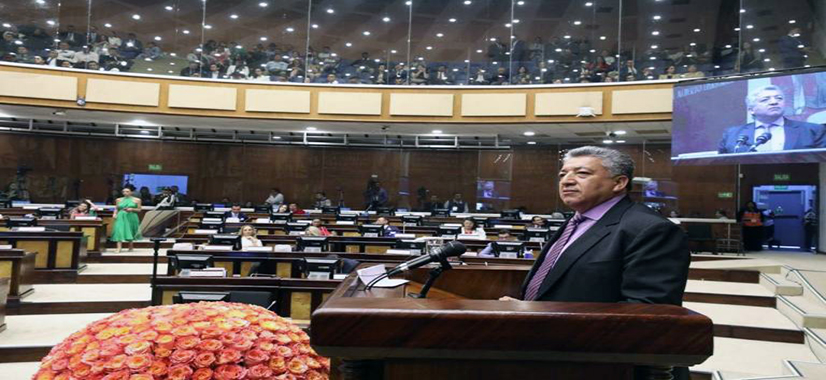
94	66
193	68
282	209
457	204
145	196
85	208
23	55
388	230
670	73
66	64
165	200
71	37
258	75
296	210
441	76
65	54
321	200
131	47
238	70
152	52
276	198
331	79
85	56
38	60
504	235
433	203
235	212
323	230
419	76
501	77
248	237
470	227
537	222
312	231
214	72
693	72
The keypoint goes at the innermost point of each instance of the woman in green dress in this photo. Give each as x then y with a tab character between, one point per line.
127	225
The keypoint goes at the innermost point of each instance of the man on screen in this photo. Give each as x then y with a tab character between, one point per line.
770	131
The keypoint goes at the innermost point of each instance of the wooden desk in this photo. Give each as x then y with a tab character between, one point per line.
295	298
18	266
288	264
93	230
56	251
4	290
463	332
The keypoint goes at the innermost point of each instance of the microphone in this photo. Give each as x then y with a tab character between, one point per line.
760	140
741	141
451	249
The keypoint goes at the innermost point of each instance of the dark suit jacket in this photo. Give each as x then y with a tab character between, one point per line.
799	135
631	254
241	216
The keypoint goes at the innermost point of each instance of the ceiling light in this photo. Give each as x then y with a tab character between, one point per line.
567	36
588	4
742	11
531	142
607	141
429	48
168	7
692	44
792	21
440	35
207	26
756	39
348	44
366	32
437	132
386	19
41	2
312	129
620	132
393	51
603	38
234	17
520	3
185	31
657	17
408	3
290	30
452	20
749	26
158	38
262	4
762	50
654	46
136	16
655	33
315	26
108	25
697	30
478	50
468	2
263	38
529	133
330	10
577	22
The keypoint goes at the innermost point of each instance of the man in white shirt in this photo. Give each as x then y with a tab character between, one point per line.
64	53
167	201
770	131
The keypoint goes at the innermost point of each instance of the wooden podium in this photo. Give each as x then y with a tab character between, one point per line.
463	332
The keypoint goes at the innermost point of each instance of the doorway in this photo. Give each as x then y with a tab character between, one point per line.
788	203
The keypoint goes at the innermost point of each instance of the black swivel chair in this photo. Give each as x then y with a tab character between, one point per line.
700	235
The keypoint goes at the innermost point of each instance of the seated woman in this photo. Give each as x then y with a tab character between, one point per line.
282	209
537	222
470	227
312	231
248	237
323	230
85	208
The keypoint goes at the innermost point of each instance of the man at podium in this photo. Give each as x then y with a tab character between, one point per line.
612	249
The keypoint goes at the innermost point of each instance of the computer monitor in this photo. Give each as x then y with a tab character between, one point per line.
203	207
384	211
49	213
537	234
412	220
484	222
312	244
329	210
448	231
230	240
215	215
440	212
320	268
281	217
511	214
347	217
295	228
371	230
509	249
21	222
415	247
191	261
263	209
72	204
212	224
191	297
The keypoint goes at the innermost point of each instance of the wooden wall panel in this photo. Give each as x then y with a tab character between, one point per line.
123	92
202	97
406	104
38	86
642	101
277	101
349	103
494	104
567	103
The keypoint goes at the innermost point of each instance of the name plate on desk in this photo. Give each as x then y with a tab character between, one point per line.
469	237
537	239
233	220
183	247
508	255
6	246
404	252
505	226
263	221
312	249
405	236
345	223
258	249
87	218
205	232
29	229
217	248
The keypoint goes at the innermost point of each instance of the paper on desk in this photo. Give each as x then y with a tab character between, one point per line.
368	274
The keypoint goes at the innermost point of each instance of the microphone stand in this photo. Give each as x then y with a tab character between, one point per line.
432	276
157	247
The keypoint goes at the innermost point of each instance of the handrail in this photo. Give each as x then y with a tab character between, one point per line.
805	283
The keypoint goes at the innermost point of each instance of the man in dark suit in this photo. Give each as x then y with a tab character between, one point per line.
612	249
767	104
235	212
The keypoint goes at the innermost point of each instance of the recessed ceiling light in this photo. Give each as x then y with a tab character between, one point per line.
478	50
348	44
468	2
429	48
386	19
437	132
408	3
742	11
207	26
577	22
262	4
620	132
108	25
158	38
366	32
657	17
607	141
440	35
50	22
168	7
315	26
588	4
792	21
749	26
756	39
531	142
655	33
393	51
654	46
452	20
520	3
290	30
136	16
185	31
263	38
697	30
234	17
529	133
330	10
567	36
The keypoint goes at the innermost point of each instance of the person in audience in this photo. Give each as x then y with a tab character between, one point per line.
145	196
39	41
433	203
457	204
239	69
322	201
501	77
214	72
752	219
249	237
323	230
66	64
276	198
65	54
71	37
282	209
180	198
38	60
419	76
85	55
792	49
194	67
381	75
503	235
644	257
235	212
670	73
692	72
721	214
471	227
387	229
375	196
441	76
538	222
94	66
751	59
258	75
84	208
479	78
152	52
523	76
296	210
127	223
312	231
331	79
131	47
23	55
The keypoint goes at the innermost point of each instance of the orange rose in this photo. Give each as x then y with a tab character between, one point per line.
311	362
59	365
284	351
184	331
255	356
139	362
242	345
158	368
165	340
179	321
297	366
228	338
116	362
110	349
303	349
259	371
187	342
162	352
265	345
229	355
211	332
105	334
182	356
162	326
75	348
202	374
149	335
81	370
269	325
139	347
211	345
141	376
127	339
119	375
64	376
179	372
248	334
283	338
45	375
204	359
230	372
313	375
277	364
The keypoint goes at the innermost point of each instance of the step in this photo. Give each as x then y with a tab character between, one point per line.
754	357
732	293
30	337
780	285
104	273
19	371
762	265
802	311
793	370
82	298
749	322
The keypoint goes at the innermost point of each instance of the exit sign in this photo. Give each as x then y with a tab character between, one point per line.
155	167
782	177
726	194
